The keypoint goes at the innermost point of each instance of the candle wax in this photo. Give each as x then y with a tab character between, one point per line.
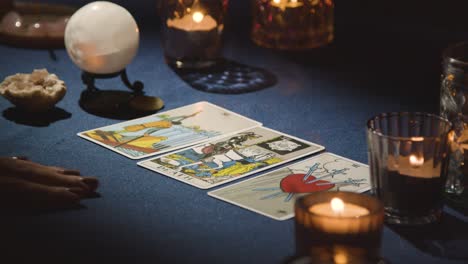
413	167
350	210
187	23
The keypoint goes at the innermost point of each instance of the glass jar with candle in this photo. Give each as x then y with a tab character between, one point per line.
292	24
192	31
408	158
338	227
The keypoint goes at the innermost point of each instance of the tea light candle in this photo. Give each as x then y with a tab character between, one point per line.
283	4
337	208
414	165
338	227
193	22
409	174
195	37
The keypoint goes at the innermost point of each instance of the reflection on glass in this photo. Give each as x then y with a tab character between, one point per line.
292	24
454	106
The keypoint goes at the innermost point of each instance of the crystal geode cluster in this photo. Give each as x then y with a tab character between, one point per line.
35	92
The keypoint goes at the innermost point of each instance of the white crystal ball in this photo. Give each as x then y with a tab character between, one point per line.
102	37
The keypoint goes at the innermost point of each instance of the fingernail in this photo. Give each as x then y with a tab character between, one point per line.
78	191
20	157
92	183
81	184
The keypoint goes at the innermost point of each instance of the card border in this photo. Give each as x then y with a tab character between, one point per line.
289	216
319	149
256	124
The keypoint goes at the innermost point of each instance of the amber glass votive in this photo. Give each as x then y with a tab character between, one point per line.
339	227
292	24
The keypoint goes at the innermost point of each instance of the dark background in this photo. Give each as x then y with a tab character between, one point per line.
386	57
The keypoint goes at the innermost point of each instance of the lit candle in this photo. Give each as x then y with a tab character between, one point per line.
408	175
192	40
195	21
338	211
338	227
414	165
283	4
337	208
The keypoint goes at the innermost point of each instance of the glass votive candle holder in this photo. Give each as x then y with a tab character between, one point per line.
192	31
408	158
339	227
454	106
292	24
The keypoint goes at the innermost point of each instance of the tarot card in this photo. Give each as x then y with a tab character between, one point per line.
273	194
230	158
170	130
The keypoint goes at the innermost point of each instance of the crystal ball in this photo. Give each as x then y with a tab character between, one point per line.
102	38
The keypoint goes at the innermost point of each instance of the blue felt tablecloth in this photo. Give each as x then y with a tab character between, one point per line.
325	96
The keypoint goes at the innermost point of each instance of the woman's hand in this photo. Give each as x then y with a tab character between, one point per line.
29	186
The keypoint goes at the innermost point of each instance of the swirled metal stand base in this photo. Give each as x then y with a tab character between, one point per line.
89	80
117	104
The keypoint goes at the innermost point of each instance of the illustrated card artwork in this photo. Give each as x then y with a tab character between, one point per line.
169	130
273	194
230	158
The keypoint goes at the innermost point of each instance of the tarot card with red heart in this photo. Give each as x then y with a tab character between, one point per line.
273	194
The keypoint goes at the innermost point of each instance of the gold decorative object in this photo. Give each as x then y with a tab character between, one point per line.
293	24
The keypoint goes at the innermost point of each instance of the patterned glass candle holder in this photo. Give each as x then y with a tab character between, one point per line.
192	31
408	157
293	24
339	227
454	106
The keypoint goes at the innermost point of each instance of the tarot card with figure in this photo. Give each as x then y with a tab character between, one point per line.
230	158
273	194
170	130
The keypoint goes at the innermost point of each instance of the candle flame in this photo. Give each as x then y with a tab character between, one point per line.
197	17
340	258
276	1
337	205
451	136
416	161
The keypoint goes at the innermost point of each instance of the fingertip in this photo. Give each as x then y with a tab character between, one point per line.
91	182
71	194
78	191
20	158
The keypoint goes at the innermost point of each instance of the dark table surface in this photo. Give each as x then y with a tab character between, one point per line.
324	95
